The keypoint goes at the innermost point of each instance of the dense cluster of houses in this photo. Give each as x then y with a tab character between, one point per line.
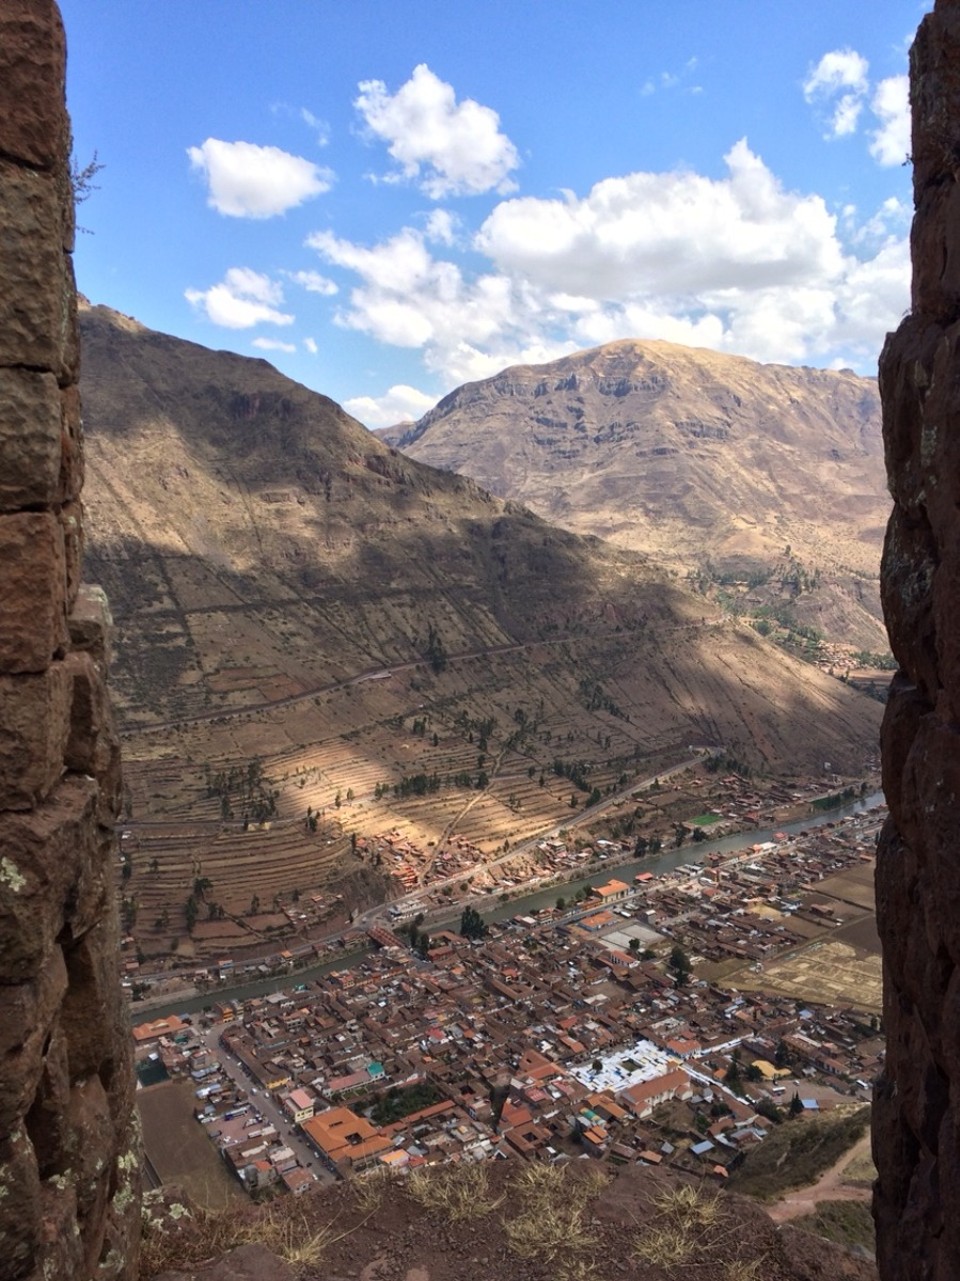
550	1037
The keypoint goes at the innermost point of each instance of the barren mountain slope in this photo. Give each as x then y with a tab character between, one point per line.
708	462
290	590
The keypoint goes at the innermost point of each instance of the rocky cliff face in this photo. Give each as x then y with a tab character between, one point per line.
917	1109
69	1159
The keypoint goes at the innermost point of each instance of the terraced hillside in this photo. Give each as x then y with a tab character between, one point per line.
313	626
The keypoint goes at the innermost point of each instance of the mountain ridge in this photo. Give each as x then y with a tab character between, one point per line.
381	643
720	467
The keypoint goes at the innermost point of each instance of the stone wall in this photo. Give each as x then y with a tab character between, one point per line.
917	1104
69	1156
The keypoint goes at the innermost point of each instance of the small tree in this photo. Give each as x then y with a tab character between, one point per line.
471	924
796	1105
679	965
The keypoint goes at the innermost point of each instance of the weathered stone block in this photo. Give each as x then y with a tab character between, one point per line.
35	302
33	117
30	439
93	746
901	720
34	724
124	1217
28	1014
48	875
89	713
68	372
90	624
93	1142
92	1009
33	620
935	97
71	520
60	1249
19	1204
47	1118
935	244
71	445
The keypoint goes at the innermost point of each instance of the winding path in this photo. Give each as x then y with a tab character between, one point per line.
829	1187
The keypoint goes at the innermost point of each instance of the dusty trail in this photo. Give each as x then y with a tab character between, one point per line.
829	1187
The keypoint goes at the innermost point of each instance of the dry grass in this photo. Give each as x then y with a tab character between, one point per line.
690	1229
861	1171
849	1223
550	1225
182	1238
369	1189
458	1192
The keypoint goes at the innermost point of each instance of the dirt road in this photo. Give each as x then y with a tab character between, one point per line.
829	1187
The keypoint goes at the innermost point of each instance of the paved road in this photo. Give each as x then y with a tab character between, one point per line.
264	1103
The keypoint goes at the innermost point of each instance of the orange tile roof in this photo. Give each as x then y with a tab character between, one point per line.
341	1135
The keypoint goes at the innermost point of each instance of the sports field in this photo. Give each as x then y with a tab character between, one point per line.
178	1147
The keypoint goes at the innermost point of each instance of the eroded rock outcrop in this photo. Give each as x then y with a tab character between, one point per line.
917	1108
69	1155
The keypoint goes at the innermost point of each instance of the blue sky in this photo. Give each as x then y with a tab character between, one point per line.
387	200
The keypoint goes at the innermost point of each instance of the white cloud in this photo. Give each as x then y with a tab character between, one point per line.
672	80
314	283
400	404
452	148
311	345
243	298
890	221
320	127
890	144
409	299
839	83
442	226
737	264
666	233
248	181
273	344
872	298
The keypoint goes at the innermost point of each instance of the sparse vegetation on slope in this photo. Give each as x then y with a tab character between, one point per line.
795	1154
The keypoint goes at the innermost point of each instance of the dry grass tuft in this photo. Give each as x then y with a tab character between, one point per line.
744	1270
284	1227
547	1232
689	1226
550	1225
369	1189
459	1192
